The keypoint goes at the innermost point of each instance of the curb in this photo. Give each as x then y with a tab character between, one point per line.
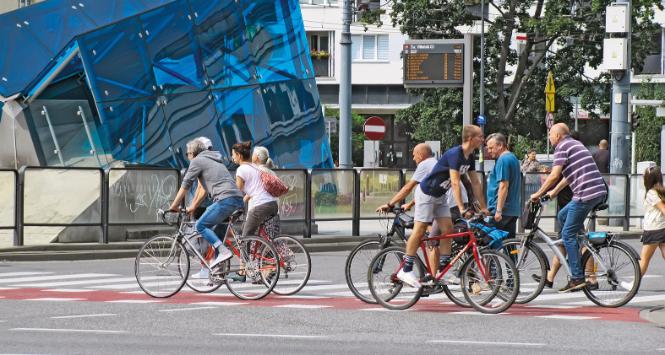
654	315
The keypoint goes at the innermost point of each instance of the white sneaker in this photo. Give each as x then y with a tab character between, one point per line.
626	285
409	278
224	254
202	274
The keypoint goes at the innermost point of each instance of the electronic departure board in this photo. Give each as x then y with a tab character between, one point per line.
433	63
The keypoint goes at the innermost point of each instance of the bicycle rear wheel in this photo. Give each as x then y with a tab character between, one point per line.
386	289
530	261
199	278
617	273
159	268
295	265
495	291
356	267
258	260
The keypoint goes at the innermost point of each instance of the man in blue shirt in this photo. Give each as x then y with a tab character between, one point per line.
503	189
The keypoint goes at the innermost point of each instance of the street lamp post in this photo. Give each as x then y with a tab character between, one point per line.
482	79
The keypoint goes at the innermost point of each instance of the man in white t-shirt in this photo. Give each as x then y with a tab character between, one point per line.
427	208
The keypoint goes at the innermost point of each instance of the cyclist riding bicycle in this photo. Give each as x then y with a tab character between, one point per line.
445	174
207	166
573	160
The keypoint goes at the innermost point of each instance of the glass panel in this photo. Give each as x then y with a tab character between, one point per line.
332	193
106	50
81	189
224	48
532	183
136	195
369	47
408	174
356	45
137	131
637	194
277	40
105	12
7	199
66	136
383	50
323	43
172	49
376	188
292	204
617	196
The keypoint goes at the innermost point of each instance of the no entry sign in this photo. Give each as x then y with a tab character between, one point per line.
374	128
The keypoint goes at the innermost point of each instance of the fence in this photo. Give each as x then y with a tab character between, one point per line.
46	201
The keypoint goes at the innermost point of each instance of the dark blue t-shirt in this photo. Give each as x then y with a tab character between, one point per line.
437	182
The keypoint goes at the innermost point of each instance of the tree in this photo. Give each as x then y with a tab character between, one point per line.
647	144
357	138
562	37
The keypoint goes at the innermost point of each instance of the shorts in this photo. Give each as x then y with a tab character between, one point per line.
653	237
428	211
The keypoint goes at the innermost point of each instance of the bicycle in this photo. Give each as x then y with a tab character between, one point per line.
489	279
295	262
358	260
162	265
600	259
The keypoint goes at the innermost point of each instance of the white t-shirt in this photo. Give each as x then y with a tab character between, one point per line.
451	197
422	170
251	175
653	218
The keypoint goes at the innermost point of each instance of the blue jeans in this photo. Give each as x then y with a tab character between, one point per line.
572	218
217	213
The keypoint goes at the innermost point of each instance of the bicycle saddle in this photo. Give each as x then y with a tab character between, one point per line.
601	206
237	213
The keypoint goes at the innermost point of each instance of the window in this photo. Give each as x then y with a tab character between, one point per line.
369	47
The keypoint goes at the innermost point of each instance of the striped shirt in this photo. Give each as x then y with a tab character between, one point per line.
579	169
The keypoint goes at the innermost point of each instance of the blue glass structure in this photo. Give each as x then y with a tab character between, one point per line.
134	80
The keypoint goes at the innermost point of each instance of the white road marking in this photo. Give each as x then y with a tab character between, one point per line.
56	299
68	290
553	306
24	273
272	336
304	297
472	342
186	309
134	301
85	282
474	313
561	316
302	306
85	316
15	281
98	331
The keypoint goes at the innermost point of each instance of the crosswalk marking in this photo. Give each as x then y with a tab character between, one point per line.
24	273
69	290
56	299
19	280
134	301
303	306
562	316
81	282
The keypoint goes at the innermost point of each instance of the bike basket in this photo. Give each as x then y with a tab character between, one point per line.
406	221
597	238
488	235
529	215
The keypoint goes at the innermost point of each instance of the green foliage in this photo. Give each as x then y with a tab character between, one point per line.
357	137
518	109
647	145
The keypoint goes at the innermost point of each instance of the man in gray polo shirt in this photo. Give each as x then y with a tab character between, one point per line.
574	162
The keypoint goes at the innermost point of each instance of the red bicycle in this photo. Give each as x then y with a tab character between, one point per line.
488	278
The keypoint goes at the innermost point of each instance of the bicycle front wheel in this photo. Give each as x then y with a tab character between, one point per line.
384	285
159	268
453	285
617	272
199	278
531	264
494	287
258	261
295	265
356	267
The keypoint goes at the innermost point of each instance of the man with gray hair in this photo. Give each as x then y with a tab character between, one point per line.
503	188
207	166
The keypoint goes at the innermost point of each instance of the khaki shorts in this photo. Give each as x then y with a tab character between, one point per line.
426	212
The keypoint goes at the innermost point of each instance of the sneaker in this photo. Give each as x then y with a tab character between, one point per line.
236	277
548	284
626	285
409	278
224	254
202	274
573	285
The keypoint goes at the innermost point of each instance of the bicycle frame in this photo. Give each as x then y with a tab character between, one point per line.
472	244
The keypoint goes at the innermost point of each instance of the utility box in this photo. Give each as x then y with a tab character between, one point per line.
615	54
617	18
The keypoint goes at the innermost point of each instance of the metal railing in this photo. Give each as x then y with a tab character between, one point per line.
122	197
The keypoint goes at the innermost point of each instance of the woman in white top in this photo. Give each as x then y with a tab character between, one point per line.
262	205
653	236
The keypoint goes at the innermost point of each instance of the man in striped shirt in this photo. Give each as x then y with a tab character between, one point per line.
575	163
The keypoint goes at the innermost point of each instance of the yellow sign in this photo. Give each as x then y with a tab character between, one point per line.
550	93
